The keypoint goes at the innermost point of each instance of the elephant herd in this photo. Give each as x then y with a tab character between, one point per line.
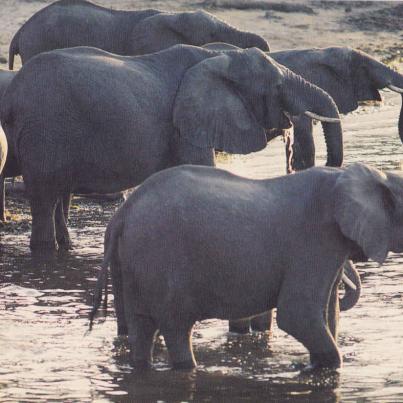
107	99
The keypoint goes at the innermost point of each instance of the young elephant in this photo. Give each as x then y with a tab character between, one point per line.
194	243
69	23
106	122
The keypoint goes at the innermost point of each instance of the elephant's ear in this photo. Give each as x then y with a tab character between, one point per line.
210	113
363	209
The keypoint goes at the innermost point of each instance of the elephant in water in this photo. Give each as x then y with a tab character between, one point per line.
5	80
106	122
270	249
347	75
70	23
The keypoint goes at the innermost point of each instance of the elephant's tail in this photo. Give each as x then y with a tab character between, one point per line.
13	50
111	240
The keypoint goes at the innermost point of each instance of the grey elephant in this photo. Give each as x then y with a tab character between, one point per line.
107	122
5	79
349	76
69	23
270	249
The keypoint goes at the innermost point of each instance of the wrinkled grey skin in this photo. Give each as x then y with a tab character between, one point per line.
107	122
5	79
69	23
347	75
270	249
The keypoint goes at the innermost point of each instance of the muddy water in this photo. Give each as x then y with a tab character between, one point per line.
46	354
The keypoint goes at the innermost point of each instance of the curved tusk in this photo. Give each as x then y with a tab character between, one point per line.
321	118
348	282
396	89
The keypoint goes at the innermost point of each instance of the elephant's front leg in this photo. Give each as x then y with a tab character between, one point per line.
333	311
305	317
43	205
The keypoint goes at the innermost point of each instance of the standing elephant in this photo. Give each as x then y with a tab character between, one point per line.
347	75
70	23
5	80
106	122
270	249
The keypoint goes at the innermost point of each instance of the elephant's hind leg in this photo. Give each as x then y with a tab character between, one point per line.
117	288
62	233
142	331
178	338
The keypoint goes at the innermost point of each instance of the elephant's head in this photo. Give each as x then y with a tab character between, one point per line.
228	101
347	75
201	27
192	28
369	210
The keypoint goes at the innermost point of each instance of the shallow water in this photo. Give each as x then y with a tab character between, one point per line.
47	354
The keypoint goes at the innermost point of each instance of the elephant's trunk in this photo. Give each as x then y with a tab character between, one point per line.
385	77
300	97
351	295
396	84
246	40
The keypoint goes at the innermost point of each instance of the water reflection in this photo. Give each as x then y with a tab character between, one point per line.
46	353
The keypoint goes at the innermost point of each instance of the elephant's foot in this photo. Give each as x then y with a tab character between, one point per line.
330	360
240	326
43	247
184	365
140	364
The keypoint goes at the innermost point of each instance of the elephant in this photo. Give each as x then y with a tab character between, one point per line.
347	75
70	23
270	249
107	122
5	79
